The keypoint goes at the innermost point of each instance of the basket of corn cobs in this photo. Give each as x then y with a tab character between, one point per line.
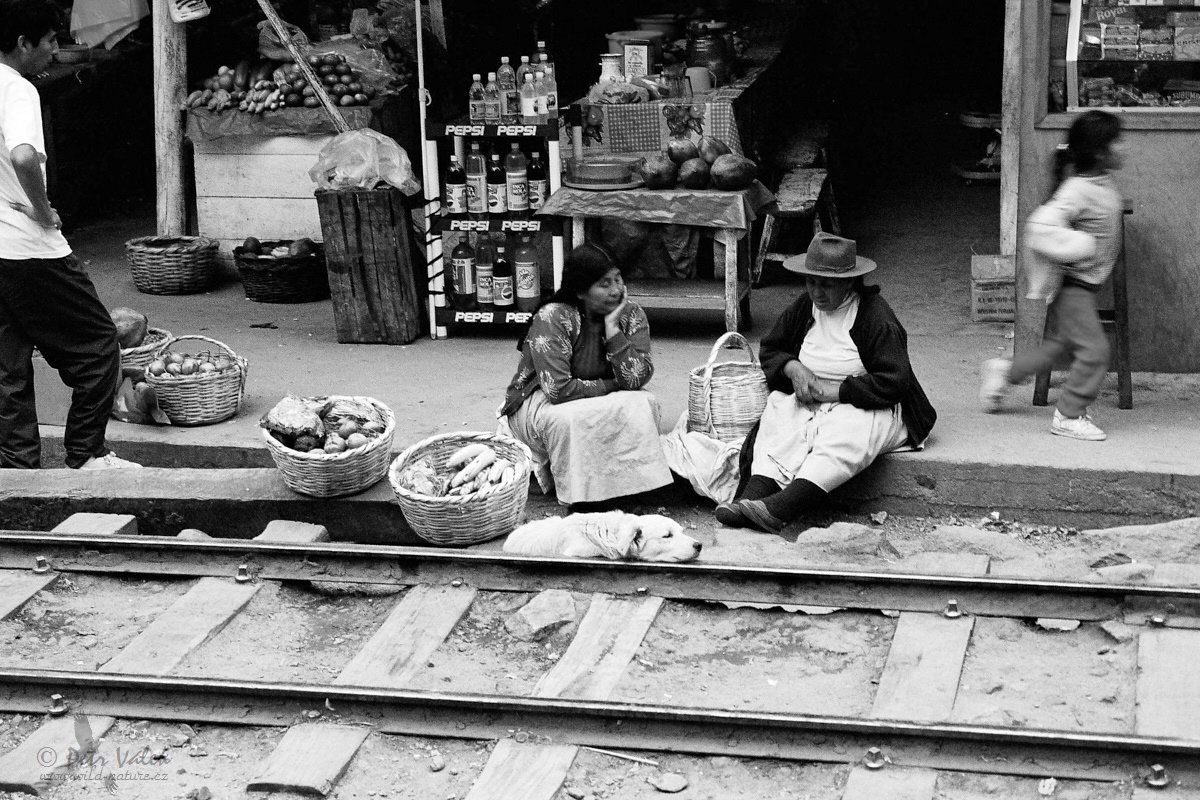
462	488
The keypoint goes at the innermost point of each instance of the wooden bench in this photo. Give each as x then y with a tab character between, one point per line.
803	193
806	147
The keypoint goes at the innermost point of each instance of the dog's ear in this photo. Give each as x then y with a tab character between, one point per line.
631	540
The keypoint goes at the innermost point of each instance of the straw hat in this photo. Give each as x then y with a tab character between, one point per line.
830	256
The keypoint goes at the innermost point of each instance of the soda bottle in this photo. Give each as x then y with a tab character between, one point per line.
456	188
527	275
516	174
462	277
476	181
529	101
551	87
491	101
475	99
522	70
502	281
539	186
539	88
485	257
497	187
510	98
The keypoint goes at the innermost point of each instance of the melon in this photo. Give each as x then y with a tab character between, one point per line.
693	173
711	148
659	171
681	150
733	173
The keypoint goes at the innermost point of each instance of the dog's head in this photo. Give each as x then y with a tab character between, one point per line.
653	537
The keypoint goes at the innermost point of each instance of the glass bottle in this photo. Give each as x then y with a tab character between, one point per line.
476	181
539	186
527	274
510	97
517	176
485	257
497	187
456	188
502	280
475	99
462	277
491	101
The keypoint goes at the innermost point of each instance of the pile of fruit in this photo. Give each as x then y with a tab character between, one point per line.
705	164
319	424
295	249
271	86
204	364
470	469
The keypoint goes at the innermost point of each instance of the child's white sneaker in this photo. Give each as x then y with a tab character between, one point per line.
993	385
1077	428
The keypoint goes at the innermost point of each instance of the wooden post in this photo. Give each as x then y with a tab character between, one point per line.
170	84
1010	126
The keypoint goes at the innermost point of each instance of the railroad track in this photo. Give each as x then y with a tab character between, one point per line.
583	697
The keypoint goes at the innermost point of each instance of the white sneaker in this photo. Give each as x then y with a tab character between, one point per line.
1077	428
994	384
110	461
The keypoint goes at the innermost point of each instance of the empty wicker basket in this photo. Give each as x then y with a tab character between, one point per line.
726	399
465	519
172	264
320	474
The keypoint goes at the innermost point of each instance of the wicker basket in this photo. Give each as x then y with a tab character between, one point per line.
200	398
290	279
468	519
726	399
172	265
143	354
322	474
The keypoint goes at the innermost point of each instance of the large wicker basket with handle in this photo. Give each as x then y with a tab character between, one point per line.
200	398
465	519
322	474
172	264
725	399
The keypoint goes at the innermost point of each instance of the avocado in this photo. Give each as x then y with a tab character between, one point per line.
302	247
252	246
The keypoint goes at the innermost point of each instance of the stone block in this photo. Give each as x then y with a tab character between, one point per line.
291	532
542	615
87	522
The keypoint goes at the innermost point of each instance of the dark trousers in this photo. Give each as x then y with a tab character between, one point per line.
52	305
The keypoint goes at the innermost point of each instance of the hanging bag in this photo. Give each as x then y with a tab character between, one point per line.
725	399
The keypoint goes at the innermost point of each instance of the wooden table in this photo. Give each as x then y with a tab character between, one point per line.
730	213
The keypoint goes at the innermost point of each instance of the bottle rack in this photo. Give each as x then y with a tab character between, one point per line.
441	314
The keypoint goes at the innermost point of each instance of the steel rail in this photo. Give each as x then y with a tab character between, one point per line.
981	595
972	748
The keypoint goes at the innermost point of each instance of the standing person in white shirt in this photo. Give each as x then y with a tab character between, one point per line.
47	300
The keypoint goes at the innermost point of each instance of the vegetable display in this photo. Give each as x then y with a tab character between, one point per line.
322	424
472	468
271	86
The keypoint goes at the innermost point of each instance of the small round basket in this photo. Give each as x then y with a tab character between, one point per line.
201	398
320	474
143	354
287	279
172	264
726	399
467	519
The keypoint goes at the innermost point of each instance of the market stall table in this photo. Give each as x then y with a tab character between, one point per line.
730	213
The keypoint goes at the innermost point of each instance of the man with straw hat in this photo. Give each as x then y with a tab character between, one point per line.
842	391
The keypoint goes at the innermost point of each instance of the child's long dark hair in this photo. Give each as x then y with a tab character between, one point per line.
1091	134
586	264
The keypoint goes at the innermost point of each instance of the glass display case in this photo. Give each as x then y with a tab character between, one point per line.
1133	54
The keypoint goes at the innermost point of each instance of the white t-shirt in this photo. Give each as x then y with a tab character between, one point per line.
21	123
827	349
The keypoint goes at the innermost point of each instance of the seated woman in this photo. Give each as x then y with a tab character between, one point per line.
842	391
577	399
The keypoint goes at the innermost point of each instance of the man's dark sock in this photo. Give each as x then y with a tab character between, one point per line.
758	487
799	496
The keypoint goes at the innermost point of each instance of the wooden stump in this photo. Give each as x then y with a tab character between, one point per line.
370	266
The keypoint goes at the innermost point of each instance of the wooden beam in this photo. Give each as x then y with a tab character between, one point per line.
523	772
46	750
920	680
1010	123
170	84
890	783
309	759
1168	701
17	587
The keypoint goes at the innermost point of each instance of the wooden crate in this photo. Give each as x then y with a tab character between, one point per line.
256	186
369	258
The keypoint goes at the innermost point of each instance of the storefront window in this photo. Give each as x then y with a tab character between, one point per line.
1133	56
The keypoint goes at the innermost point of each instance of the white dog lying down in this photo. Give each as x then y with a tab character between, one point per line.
607	534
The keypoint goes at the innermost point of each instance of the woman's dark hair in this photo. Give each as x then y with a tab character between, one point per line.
586	264
32	19
1091	134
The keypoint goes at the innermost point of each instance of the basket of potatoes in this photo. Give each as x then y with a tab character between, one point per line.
329	446
462	488
197	388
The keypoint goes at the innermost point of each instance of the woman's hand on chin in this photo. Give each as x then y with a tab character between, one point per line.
611	326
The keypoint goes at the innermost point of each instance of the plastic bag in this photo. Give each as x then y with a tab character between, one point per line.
270	46
136	400
361	160
710	465
371	65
